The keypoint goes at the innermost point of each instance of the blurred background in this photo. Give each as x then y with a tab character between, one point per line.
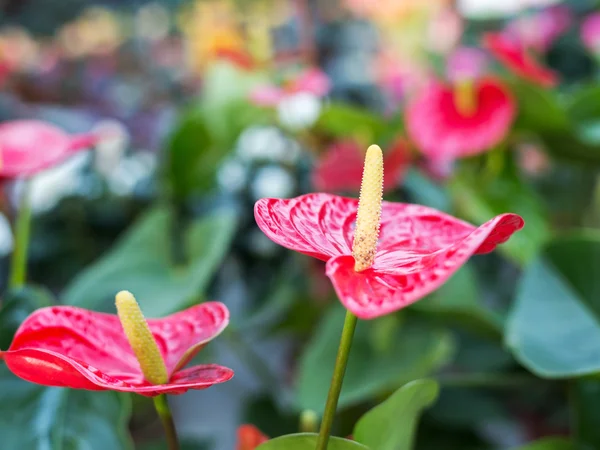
208	105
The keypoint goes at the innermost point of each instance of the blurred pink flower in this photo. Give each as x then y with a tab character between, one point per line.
444	131
398	79
445	30
466	63
312	81
590	32
341	168
538	31
514	55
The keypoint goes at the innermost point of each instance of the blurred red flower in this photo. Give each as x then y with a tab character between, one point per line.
312	81
443	132
76	348
514	55
340	169
419	248
249	437
29	146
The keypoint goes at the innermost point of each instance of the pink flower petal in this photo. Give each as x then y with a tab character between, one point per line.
29	146
402	277
513	55
74	347
313	81
266	96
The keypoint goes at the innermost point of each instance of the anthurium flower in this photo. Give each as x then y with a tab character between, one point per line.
340	168
513	54
29	146
397	253
73	347
466	116
249	437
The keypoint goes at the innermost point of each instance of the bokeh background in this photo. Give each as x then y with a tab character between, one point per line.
208	105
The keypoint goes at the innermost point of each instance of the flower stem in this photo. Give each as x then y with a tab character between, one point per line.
336	381
164	412
18	266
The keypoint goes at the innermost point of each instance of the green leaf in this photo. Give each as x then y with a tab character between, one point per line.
37	417
141	263
206	133
554	326
458	300
417	349
480	202
192	157
548	444
16	305
424	191
538	109
340	120
308	441
565	131
584	402
379	429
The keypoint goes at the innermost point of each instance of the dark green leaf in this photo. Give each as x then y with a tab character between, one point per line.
37	417
416	350
480	202
16	306
308	441
548	444
554	326
379	428
192	157
585	412
141	263
539	109
459	300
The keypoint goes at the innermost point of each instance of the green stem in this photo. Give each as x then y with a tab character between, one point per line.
164	412
336	381
18	267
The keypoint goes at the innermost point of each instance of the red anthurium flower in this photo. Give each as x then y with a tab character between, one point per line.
340	169
418	248
72	347
29	146
249	437
514	55
444	130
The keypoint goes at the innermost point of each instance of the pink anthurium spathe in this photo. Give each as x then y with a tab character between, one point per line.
444	132
76	348
467	115
29	146
418	248
340	168
515	56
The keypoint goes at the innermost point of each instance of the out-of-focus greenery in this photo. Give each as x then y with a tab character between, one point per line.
505	355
